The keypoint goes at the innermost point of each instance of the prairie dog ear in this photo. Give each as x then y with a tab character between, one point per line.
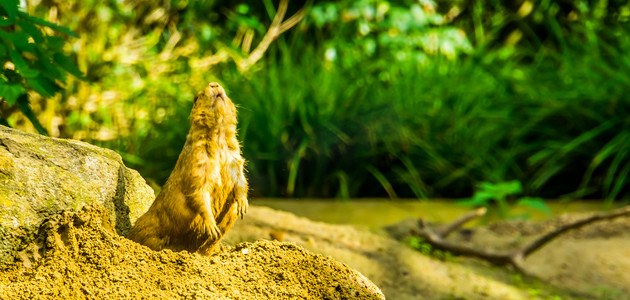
197	97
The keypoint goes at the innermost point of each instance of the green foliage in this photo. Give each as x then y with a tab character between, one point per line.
392	33
606	292
535	288
30	59
420	245
368	98
430	131
498	197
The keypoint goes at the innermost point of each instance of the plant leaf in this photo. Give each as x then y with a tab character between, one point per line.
19	40
535	203
48	24
55	42
509	187
473	202
6	22
21	65
11	7
67	64
32	30
43	86
11	92
294	167
383	180
28	112
52	71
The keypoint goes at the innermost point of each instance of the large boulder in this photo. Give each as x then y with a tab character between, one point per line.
40	176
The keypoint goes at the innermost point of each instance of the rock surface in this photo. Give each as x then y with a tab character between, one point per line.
40	176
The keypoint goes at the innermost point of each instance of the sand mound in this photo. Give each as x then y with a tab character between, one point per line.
79	255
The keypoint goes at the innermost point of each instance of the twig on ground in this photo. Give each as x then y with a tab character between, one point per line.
446	230
516	258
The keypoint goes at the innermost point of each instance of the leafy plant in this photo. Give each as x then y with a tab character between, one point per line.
418	244
392	32
359	100
30	59
501	197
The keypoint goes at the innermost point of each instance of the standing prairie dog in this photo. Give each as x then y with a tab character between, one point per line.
207	189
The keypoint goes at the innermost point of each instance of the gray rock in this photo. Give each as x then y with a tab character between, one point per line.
40	176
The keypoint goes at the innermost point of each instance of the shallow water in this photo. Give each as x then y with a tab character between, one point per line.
382	212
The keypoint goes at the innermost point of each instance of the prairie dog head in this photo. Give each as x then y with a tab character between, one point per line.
214	111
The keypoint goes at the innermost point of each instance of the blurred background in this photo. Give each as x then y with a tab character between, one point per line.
490	101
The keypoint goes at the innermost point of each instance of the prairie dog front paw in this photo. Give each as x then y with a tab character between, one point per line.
206	226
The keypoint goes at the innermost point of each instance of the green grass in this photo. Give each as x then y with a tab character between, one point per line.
549	110
434	130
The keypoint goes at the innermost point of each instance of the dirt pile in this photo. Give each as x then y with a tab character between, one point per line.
79	255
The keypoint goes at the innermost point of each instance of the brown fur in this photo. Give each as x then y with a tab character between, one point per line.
207	190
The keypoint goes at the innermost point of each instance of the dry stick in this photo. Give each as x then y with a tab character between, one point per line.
444	232
516	258
547	237
277	27
246	37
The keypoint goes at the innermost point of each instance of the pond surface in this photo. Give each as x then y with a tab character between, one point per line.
382	212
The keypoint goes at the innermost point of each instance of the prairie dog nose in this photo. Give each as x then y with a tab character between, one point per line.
214	89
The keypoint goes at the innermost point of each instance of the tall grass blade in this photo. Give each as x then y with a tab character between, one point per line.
383	181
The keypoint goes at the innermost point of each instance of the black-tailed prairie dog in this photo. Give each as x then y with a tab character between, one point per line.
207	189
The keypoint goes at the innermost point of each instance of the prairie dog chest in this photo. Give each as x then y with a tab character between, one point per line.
219	166
233	167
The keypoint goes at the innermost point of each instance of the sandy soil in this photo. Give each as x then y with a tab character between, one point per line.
80	257
589	263
593	260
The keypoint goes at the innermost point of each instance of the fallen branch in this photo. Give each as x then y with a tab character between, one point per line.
516	258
